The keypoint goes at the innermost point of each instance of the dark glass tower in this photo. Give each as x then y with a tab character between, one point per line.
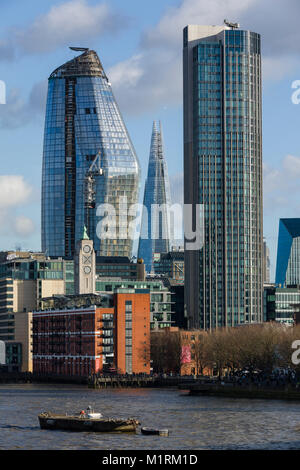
155	227
223	174
288	253
88	159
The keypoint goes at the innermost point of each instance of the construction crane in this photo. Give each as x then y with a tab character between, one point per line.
92	173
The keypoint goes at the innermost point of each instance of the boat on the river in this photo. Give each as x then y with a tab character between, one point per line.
154	432
86	421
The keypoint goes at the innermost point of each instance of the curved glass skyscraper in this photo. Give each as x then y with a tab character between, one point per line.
155	227
223	174
88	159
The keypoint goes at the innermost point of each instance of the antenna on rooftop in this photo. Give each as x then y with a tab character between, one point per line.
231	25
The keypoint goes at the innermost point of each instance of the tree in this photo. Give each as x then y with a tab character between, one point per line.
166	351
217	349
200	350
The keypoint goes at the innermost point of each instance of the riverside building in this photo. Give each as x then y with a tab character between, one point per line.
85	334
25	278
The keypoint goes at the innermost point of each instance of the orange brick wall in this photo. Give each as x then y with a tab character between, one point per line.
140	332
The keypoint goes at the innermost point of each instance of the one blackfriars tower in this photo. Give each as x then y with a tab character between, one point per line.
223	174
88	161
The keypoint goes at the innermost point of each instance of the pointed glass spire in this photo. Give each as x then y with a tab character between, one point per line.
155	227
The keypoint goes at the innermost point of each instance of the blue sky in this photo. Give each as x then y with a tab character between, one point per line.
140	46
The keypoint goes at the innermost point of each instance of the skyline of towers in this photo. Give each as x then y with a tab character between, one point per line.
155	235
88	160
223	174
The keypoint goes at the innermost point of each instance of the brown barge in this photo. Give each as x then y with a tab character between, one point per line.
83	423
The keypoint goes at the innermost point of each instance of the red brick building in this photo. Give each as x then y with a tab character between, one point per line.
82	341
132	332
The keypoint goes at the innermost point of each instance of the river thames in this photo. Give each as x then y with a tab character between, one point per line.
194	422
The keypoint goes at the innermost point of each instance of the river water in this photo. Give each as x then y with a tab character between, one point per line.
194	423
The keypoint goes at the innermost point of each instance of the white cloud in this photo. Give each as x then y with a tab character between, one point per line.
154	81
159	59
277	68
291	166
279	184
128	72
151	78
71	21
157	68
14	191
168	32
23	226
17	112
74	22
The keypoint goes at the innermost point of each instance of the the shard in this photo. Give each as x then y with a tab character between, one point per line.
155	226
88	160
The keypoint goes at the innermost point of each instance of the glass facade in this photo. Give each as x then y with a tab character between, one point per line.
13	356
155	227
288	253
32	269
116	267
170	265
223	167
280	304
84	125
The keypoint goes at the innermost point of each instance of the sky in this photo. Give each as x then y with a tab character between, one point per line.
140	47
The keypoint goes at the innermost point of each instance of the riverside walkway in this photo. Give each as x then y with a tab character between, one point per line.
136	381
99	380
